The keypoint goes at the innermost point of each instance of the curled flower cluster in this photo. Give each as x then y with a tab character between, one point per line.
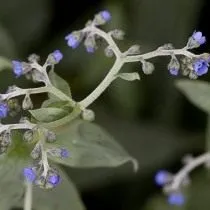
41	173
174	197
173	184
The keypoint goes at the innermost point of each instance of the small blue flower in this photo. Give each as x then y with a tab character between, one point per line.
161	177
105	15
176	199
64	153
29	174
17	68
3	110
58	56
54	179
90	49
199	38
174	71
72	40
200	66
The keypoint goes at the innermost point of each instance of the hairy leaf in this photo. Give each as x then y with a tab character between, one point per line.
129	76
90	146
48	114
198	92
59	83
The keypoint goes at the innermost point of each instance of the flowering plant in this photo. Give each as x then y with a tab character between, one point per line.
48	134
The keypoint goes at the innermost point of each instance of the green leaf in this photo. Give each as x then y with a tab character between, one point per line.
48	114
60	84
198	92
129	76
90	146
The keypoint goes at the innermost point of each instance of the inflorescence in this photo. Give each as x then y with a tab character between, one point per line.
182	61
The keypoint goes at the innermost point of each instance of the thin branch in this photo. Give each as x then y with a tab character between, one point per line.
28	196
183	173
121	59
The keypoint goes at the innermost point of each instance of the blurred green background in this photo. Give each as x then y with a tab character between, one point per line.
150	118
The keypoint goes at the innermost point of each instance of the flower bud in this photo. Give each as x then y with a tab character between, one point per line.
196	40
90	44
102	17
4	109
108	52
33	58
74	39
88	115
174	66
147	67
50	136
135	49
27	103
117	34
28	136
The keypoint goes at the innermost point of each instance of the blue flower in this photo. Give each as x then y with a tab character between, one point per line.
199	38
64	153
3	110
176	199
17	68
174	71
58	56
90	49
105	15
72	40
54	179
161	177
29	174
200	66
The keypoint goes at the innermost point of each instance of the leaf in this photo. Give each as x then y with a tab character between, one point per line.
48	114
129	76
59	83
198	92
90	146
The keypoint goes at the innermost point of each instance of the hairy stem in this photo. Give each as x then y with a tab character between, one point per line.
17	126
183	173
103	85
121	59
28	196
45	89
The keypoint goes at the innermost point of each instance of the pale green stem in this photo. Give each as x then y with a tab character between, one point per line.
28	196
121	59
45	89
208	134
179	177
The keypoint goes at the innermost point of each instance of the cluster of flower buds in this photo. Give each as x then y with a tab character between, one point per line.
41	173
174	197
30	70
90	38
35	175
192	67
